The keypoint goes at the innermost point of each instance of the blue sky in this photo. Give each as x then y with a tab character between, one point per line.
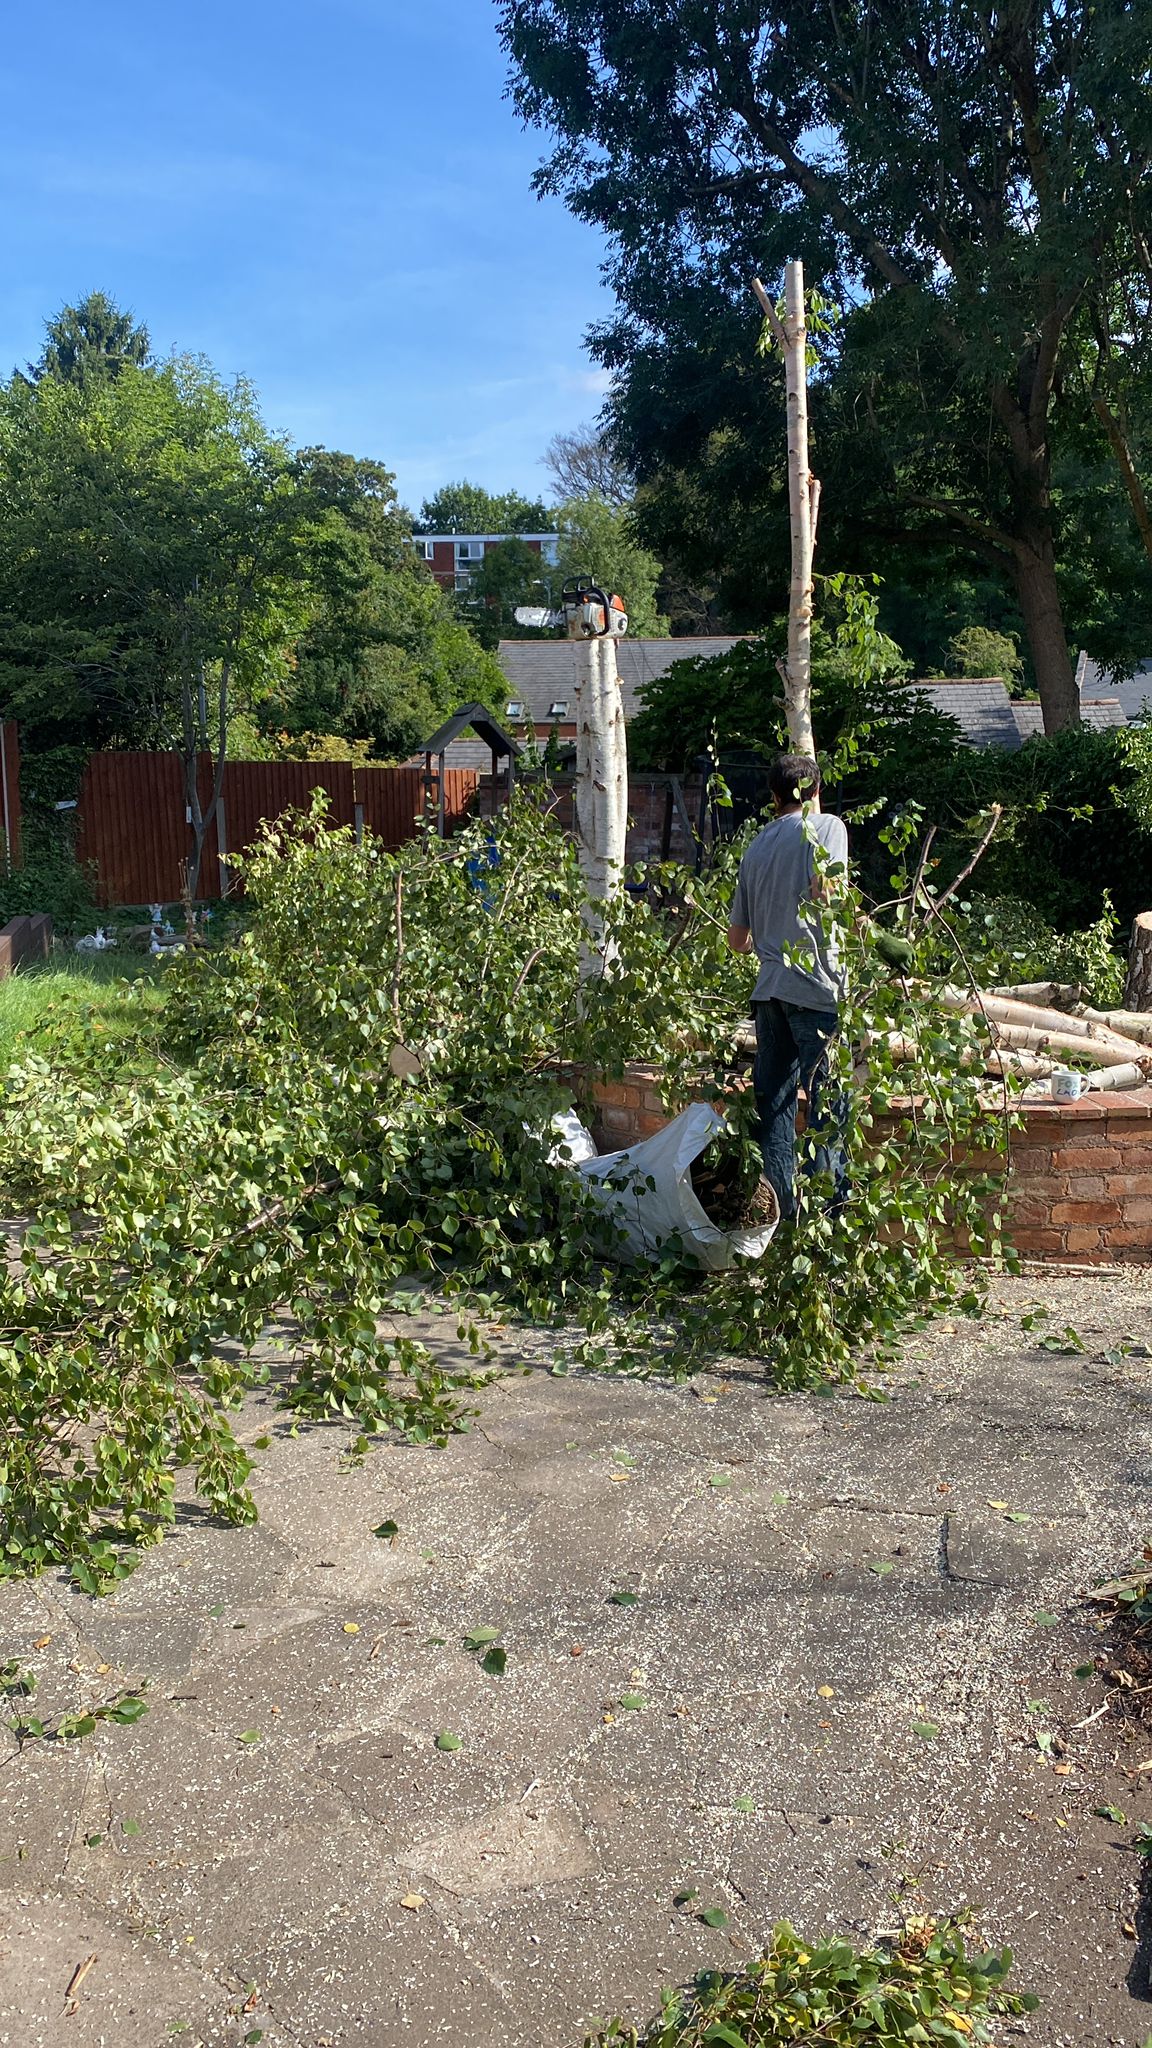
331	198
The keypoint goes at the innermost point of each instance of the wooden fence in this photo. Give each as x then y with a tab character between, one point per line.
134	830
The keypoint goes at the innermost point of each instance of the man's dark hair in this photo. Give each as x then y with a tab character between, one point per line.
794	778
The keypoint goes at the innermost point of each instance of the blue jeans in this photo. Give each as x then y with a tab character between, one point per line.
792	1050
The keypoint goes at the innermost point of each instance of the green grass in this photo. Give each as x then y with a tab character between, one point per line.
41	1004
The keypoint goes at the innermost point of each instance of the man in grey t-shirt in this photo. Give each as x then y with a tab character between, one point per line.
776	912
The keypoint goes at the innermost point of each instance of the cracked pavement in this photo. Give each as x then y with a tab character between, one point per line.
813	1578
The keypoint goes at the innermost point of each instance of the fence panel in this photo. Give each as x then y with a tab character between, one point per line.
133	827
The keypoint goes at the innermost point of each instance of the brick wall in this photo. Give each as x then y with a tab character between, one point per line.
1081	1180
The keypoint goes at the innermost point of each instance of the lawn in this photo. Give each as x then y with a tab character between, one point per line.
76	989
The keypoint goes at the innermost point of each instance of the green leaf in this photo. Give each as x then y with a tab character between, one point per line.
447	1741
926	1730
1045	1620
720	1479
633	1702
685	1898
130	1827
713	1916
250	1735
494	1661
724	2034
882	1568
387	1531
744	1804
1084	1671
479	1637
128	1710
1112	1813
623	1599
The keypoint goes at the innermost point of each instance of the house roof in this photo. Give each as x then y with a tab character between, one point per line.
1133	694
981	707
541	673
1096	712
482	723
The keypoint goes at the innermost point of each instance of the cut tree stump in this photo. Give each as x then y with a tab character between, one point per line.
1138	989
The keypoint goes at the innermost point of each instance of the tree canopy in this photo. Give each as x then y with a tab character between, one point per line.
94	339
159	545
469	508
597	539
972	179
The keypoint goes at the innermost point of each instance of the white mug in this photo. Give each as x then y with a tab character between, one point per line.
1065	1085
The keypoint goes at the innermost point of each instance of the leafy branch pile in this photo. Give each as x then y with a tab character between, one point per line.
924	1988
347	1111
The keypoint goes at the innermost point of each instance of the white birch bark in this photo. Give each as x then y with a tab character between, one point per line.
803	506
601	776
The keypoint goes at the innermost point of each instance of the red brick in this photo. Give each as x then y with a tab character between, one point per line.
613	1092
1086	1212
1029	1208
647	1124
1082	1240
1130	1183
1138	1209
1089	1155
1136	1158
1031	1159
1138	1235
1038	1240
1081	1187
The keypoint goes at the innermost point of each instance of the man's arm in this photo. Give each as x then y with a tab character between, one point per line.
739	938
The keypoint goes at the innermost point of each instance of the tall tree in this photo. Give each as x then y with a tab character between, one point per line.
469	508
151	535
597	540
92	339
586	464
979	169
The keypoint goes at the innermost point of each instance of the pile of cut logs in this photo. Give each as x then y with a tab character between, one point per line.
1041	1026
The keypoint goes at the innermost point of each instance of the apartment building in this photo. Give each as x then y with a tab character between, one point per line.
454	557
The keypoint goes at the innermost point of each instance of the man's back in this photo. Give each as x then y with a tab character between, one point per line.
774	900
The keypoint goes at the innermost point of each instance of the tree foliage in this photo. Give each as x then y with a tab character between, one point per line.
922	1985
468	508
91	341
971	180
272	1167
159	547
598	540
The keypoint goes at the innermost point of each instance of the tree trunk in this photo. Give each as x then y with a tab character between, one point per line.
803	504
1138	989
1035	574
601	778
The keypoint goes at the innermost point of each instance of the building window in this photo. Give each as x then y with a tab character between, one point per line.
558	709
515	708
425	550
469	550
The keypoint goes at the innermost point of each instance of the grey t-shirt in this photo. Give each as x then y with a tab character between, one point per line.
774	901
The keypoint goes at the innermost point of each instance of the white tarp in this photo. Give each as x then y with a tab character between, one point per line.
648	1189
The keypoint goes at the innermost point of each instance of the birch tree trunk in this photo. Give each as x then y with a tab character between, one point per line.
601	778
1138	991
803	506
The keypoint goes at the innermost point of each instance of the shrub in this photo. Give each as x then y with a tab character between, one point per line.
51	880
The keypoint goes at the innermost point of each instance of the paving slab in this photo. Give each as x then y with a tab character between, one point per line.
846	1622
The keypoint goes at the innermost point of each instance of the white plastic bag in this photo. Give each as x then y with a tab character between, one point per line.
650	1215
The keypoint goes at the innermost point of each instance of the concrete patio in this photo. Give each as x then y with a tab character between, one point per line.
279	1851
